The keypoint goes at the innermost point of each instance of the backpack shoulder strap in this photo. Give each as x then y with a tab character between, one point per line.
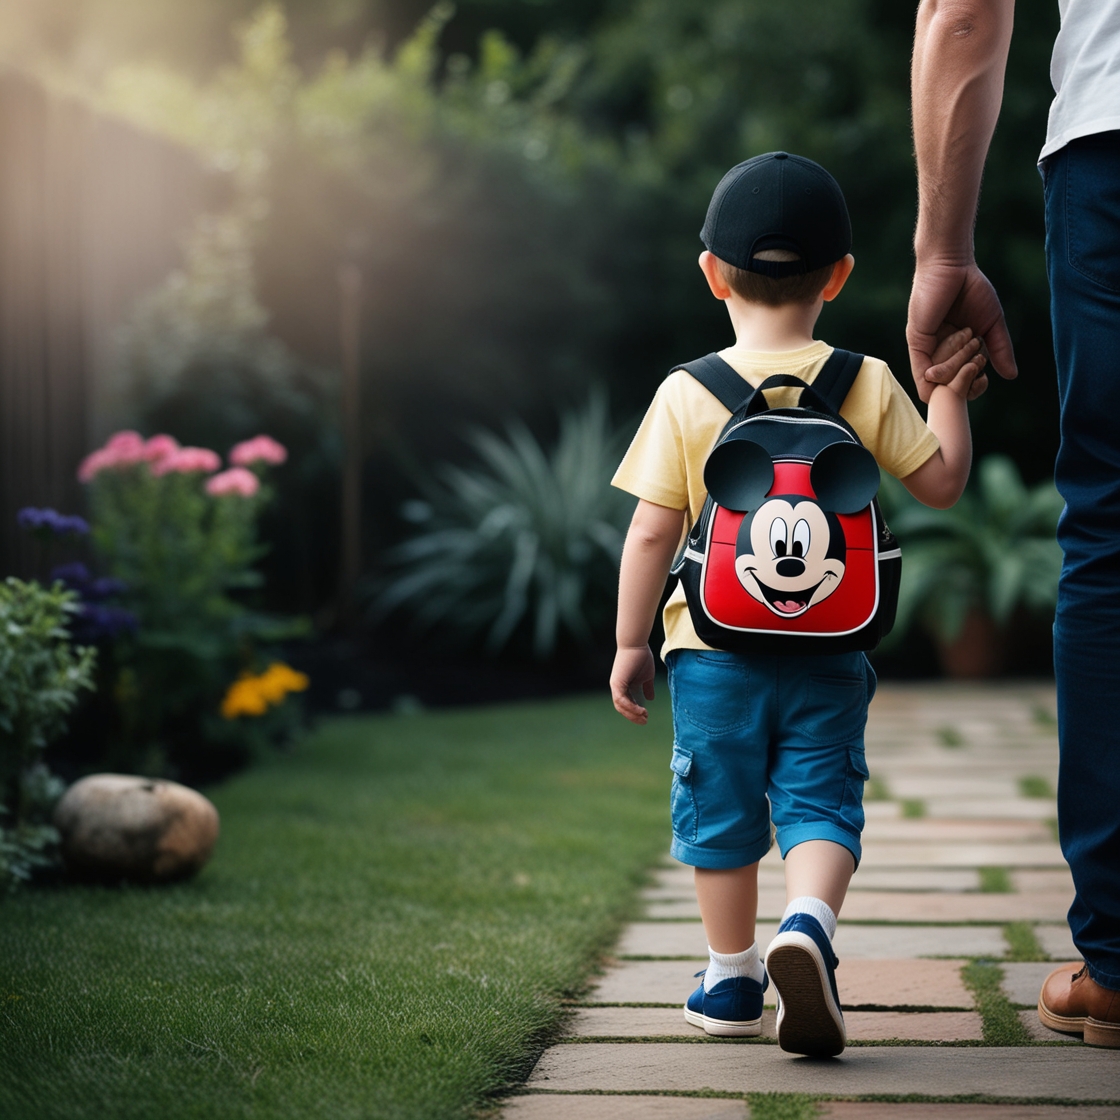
837	377
720	380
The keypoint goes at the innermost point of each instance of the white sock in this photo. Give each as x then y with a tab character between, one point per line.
815	908
724	966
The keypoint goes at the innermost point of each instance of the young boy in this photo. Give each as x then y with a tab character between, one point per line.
769	738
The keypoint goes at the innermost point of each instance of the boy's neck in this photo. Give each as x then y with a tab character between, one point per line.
761	327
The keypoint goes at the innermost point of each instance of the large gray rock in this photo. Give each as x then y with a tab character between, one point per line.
147	829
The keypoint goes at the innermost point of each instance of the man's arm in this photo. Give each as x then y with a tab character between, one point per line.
960	54
655	533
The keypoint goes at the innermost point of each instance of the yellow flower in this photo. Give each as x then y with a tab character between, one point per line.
252	695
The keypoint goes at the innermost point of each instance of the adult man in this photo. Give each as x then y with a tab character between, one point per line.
960	54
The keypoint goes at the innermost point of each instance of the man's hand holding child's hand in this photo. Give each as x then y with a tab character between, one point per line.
632	679
960	357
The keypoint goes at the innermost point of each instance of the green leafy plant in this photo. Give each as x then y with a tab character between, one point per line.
41	675
992	553
526	542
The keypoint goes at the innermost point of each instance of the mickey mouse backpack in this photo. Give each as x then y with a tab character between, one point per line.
790	553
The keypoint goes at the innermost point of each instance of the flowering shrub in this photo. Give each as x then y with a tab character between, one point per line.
178	537
251	695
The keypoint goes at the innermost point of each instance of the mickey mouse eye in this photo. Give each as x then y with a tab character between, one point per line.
801	539
778	531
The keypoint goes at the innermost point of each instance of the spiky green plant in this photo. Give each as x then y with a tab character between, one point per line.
523	544
994	551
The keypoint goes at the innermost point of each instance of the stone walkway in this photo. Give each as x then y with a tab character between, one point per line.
951	924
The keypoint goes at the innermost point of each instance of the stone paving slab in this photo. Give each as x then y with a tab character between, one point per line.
1039	1033
1019	808
1057	942
1073	1073
572	1106
1027	879
686	939
939	831
870	1026
963	855
1022	981
862	983
884	1110
904	906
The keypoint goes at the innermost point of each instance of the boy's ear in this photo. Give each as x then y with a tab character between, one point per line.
841	270
709	266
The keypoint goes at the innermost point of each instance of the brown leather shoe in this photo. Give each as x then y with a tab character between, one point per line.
1073	1002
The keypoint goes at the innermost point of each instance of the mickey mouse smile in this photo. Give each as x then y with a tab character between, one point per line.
783	602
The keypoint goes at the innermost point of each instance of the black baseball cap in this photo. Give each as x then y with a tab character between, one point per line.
778	201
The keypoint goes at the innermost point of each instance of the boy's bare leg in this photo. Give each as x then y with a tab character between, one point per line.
817	869
728	906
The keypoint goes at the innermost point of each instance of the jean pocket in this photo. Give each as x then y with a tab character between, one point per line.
683	797
711	692
832	709
1092	205
853	788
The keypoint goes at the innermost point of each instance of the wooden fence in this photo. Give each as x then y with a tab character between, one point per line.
92	215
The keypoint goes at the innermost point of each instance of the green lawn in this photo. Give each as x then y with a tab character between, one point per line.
387	928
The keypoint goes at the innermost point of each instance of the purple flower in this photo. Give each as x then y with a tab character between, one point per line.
95	623
49	523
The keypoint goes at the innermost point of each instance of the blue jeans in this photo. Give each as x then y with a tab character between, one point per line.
760	738
1082	186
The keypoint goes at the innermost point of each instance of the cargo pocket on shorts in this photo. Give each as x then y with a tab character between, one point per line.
683	798
858	773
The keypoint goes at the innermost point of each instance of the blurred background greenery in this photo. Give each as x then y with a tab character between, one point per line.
520	184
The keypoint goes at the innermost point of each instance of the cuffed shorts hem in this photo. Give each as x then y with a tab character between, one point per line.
720	859
792	835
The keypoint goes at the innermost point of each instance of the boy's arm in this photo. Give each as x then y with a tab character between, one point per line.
651	543
941	479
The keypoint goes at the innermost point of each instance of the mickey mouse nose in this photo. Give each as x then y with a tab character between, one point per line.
790	566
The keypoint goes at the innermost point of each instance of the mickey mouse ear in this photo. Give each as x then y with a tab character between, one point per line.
845	477
739	474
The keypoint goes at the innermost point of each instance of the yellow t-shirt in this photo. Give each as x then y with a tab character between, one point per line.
665	462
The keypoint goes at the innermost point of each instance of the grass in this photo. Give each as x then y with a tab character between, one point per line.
913	808
782	1106
949	736
875	789
995	880
1022	943
1034	785
388	928
1002	1025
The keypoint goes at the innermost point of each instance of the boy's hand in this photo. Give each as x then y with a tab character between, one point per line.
632	679
959	361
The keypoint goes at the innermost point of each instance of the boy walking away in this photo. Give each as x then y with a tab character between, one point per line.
763	737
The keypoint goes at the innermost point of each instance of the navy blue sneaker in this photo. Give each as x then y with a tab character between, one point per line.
733	1008
802	963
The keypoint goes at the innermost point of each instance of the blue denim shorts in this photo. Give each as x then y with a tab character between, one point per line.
760	739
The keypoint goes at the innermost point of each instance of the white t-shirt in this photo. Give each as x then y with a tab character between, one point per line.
1085	72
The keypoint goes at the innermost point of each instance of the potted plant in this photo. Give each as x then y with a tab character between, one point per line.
966	571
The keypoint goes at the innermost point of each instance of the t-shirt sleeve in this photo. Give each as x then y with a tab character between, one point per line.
904	441
654	467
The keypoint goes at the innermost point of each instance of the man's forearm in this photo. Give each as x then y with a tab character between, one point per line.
960	55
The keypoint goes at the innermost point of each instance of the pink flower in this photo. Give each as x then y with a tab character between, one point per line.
187	460
262	449
237	480
123	449
159	447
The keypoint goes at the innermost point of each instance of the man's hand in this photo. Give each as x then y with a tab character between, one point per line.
631	679
946	296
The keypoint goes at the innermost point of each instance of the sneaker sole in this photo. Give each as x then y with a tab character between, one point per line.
724	1028
809	1022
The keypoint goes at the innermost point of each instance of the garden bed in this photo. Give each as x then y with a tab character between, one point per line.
393	916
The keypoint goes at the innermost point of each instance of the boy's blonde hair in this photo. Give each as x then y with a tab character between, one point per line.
773	290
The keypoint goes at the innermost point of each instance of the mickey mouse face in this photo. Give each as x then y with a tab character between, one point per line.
790	555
